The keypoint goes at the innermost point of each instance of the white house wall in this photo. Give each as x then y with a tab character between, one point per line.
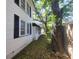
32	6
13	46
35	32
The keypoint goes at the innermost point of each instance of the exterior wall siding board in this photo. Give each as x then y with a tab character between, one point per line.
13	46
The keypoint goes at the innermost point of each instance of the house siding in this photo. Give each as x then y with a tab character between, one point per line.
13	46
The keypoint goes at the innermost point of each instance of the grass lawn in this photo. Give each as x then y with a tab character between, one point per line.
38	49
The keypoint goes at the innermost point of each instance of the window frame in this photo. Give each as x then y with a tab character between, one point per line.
22	28
23	4
28	10
29	29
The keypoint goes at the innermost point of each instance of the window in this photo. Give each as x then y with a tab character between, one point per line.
23	4
22	27
29	28
28	10
16	26
17	2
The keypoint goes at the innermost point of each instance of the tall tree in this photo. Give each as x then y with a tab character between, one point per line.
62	9
44	13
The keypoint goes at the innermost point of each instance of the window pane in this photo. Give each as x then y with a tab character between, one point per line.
28	10
22	27
29	31
23	4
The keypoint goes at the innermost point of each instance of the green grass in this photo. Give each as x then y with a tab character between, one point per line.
38	49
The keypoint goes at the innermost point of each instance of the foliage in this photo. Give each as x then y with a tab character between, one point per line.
44	13
62	9
38	49
67	10
47	15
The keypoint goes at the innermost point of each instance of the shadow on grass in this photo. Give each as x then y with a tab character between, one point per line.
36	50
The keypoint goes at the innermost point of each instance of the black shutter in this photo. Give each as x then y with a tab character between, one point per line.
30	28
27	8
27	28
16	26
17	2
30	11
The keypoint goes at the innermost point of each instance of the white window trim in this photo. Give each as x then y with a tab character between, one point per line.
21	6
20	28
28	11
29	28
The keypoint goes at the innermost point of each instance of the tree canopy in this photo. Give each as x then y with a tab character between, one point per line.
49	11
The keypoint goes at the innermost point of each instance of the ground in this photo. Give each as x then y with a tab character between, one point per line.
38	49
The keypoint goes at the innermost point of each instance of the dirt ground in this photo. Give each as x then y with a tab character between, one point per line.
38	49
